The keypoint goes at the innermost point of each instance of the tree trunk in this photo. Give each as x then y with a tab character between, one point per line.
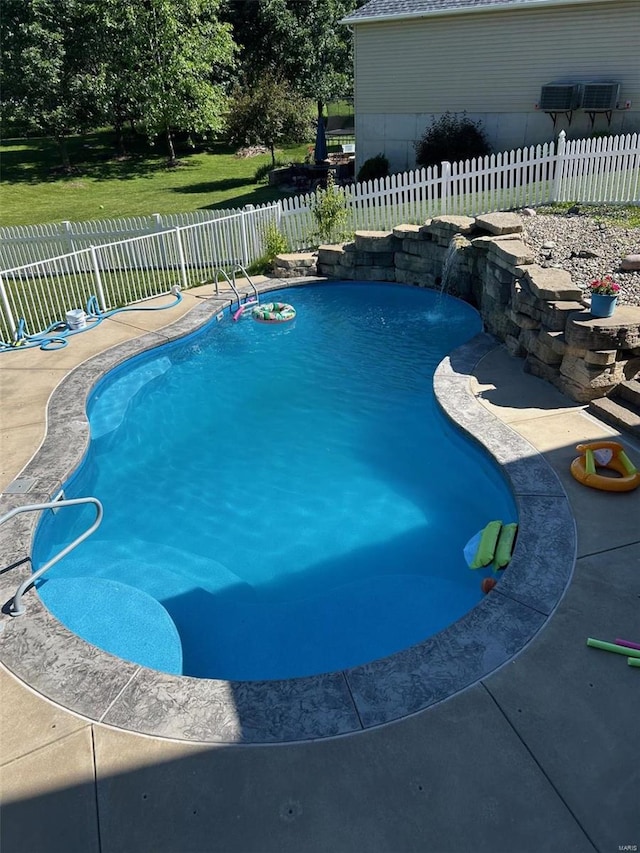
320	109
118	129
272	148
170	148
64	152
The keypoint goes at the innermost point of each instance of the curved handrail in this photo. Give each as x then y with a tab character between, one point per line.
239	268
230	283
17	608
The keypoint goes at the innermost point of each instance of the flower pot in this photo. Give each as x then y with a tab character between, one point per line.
602	305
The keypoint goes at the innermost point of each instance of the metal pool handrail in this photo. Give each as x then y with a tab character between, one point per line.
232	283
17	608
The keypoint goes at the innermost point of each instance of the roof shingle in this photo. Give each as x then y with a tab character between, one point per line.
401	8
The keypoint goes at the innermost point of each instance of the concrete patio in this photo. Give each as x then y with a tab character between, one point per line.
540	755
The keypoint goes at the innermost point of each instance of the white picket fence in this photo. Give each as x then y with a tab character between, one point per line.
45	269
606	169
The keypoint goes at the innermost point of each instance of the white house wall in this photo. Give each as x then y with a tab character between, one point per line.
491	65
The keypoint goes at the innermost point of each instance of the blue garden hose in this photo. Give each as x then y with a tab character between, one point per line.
55	336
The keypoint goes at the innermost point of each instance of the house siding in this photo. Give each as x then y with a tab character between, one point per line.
491	65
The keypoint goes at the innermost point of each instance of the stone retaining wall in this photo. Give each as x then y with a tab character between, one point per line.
537	311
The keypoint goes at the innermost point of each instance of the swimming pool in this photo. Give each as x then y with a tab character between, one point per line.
289	472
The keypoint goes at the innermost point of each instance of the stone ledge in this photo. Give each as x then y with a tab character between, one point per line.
500	223
408	232
452	224
375	241
550	283
512	252
291	261
620	331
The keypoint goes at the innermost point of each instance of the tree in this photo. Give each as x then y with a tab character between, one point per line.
302	41
68	64
50	76
119	47
184	57
269	112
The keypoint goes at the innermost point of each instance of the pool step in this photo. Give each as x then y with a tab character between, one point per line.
117	618
629	390
622	408
168	571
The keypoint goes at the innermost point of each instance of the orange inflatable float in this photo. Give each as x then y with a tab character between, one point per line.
609	455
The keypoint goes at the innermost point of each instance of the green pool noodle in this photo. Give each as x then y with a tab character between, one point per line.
633	661
589	462
505	545
611	647
627	464
487	545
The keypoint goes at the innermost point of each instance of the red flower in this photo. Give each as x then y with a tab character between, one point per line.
605	286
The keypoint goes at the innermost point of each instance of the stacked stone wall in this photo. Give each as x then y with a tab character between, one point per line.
537	311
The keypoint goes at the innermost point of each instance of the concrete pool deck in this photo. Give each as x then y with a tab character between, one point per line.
538	755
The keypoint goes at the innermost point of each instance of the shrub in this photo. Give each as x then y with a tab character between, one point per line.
374	167
329	210
451	137
274	243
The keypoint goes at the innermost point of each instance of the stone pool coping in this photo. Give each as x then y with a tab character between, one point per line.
56	663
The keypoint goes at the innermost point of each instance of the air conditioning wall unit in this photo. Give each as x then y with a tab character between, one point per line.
560	97
600	96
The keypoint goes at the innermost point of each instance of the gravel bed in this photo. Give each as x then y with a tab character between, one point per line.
586	247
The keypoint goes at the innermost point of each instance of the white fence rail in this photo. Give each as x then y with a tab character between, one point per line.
48	269
127	271
25	244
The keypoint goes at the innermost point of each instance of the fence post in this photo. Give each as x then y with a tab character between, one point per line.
243	233
98	278
558	171
183	265
68	234
445	186
7	308
255	237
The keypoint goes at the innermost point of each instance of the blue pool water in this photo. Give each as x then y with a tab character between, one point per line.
291	495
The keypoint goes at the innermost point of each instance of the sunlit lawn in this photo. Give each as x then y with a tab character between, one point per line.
33	190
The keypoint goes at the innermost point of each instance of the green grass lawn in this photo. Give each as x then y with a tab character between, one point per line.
33	190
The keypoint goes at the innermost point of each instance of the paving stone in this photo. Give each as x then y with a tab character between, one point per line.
549	283
407	232
500	223
376	241
299	259
453	224
620	331
513	253
330	254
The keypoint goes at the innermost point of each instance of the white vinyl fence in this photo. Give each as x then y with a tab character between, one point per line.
45	270
127	271
606	169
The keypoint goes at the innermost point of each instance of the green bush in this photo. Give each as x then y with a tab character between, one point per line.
451	137
329	210
374	168
274	243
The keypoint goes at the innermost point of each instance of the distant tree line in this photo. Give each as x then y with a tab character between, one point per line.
245	71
